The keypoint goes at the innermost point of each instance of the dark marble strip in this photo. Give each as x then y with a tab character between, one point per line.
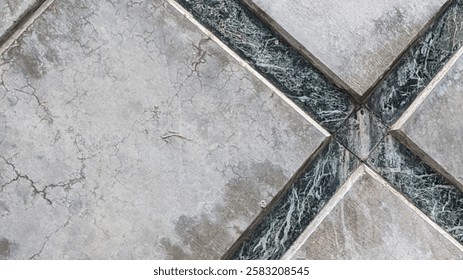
299	205
424	187
419	65
274	58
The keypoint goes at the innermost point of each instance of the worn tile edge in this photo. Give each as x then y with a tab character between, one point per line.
248	67
24	24
392	66
275	200
313	59
423	156
415	209
326	210
426	91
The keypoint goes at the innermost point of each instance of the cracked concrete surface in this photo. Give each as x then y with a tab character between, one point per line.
121	139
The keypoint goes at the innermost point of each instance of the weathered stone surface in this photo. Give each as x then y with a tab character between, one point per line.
437	127
11	12
126	133
356	39
371	222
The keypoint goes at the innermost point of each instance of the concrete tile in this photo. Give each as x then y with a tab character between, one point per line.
127	134
371	222
357	40
436	126
11	12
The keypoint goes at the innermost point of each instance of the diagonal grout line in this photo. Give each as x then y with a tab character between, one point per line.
246	65
418	37
304	51
339	195
426	91
277	199
234	24
23	24
326	210
417	67
422	185
275	232
413	207
404	139
299	205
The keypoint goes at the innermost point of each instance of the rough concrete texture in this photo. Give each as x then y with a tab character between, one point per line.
371	222
357	40
125	133
436	126
11	12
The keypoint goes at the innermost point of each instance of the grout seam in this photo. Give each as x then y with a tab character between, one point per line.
326	210
415	209
248	67
426	91
24	23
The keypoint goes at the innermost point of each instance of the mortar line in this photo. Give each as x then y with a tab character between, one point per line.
426	91
326	210
415	209
248	67
415	40
23	24
424	157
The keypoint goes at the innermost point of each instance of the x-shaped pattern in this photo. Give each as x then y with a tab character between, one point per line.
361	130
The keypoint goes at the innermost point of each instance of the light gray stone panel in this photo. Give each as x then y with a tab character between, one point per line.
11	12
357	40
371	222
436	126
127	134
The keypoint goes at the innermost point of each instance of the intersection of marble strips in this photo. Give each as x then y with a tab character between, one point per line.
262	234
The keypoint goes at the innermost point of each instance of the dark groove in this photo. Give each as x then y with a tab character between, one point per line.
22	20
426	188
298	206
419	65
272	56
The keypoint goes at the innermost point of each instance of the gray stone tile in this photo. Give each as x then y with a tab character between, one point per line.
357	40
126	133
436	126
11	12
371	222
